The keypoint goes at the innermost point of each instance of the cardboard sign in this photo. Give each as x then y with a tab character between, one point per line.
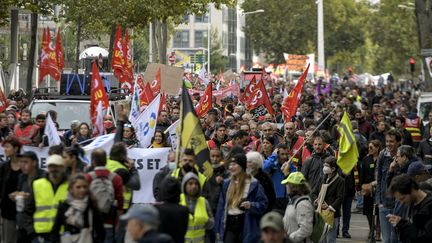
171	77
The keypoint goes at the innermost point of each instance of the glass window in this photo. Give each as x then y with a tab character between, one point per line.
181	39
185	19
201	38
202	18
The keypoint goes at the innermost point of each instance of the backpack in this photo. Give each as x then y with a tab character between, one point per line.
102	189
320	227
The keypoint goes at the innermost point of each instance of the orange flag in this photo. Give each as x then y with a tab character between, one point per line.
290	104
98	94
206	102
59	51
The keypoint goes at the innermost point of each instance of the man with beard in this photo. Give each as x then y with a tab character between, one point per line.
26	132
41	207
312	168
364	126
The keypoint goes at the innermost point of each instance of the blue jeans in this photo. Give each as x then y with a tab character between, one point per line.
109	235
359	199
387	231
346	214
332	234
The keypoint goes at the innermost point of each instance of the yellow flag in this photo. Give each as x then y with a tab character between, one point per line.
192	135
348	153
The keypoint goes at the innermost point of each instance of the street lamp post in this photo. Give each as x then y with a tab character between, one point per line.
321	59
240	14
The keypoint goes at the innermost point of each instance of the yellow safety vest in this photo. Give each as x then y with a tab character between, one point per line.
112	166
46	202
202	178
197	221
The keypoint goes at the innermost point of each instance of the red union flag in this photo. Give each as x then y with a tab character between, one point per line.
290	104
127	77
206	102
98	94
249	90
3	101
260	97
118	60
48	59
59	51
156	83
146	96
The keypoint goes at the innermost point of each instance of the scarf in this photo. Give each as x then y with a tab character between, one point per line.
75	213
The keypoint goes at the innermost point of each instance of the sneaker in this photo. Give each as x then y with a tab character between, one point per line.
346	235
357	210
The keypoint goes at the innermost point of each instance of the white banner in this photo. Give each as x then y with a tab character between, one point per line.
172	134
145	126
135	105
51	132
148	162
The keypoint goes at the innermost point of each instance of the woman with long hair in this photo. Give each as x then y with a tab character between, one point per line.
159	140
368	183
84	133
80	219
73	159
298	218
129	136
242	202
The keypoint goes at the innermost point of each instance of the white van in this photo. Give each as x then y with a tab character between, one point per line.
424	106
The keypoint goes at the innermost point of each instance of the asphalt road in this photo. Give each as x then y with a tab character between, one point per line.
359	229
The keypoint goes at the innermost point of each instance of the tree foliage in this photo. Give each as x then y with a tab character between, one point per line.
369	37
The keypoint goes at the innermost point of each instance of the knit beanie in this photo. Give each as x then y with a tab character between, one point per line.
240	159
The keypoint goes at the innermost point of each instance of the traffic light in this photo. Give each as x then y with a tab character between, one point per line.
412	65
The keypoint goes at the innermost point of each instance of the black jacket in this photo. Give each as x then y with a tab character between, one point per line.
419	226
157	181
267	183
312	169
335	194
98	232
214	188
425	151
153	236
173	217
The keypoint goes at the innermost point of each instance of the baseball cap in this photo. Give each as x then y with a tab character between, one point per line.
416	168
28	154
294	178
144	213
272	220
55	159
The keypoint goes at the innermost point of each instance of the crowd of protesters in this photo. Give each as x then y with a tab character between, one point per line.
269	177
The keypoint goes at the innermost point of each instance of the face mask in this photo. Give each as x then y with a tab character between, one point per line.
215	166
187	168
327	170
297	114
108	124
172	165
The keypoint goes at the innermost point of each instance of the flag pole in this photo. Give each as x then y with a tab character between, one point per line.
306	138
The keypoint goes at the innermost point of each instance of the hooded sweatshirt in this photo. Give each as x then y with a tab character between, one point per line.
169	208
191	202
